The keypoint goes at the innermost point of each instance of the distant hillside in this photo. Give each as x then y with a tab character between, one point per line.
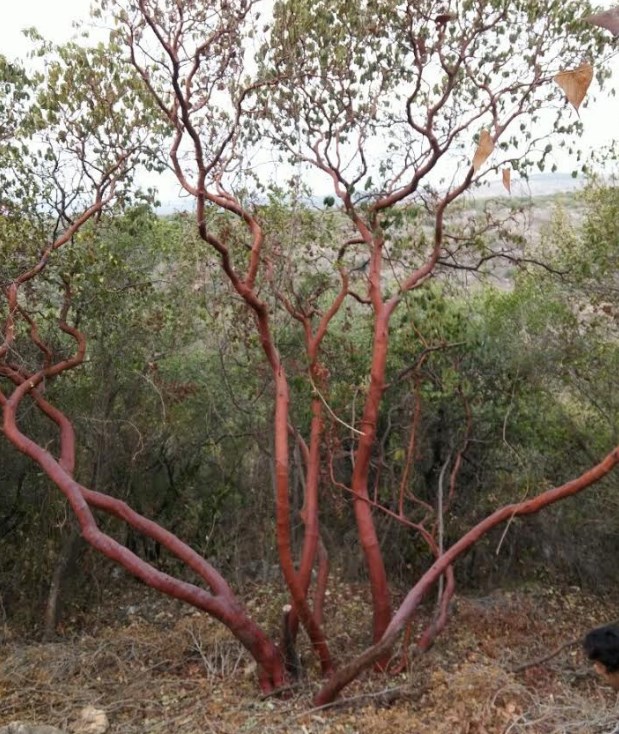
538	185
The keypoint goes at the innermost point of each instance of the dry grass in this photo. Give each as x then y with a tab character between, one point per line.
156	667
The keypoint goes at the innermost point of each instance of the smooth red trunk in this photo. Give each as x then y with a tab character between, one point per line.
363	511
309	513
297	592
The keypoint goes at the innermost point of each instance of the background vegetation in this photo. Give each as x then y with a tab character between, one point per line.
172	407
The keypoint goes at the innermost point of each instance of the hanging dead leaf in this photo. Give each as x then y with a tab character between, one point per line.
575	83
608	19
484	148
507	179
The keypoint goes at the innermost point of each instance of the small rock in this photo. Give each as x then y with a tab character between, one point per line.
20	727
91	721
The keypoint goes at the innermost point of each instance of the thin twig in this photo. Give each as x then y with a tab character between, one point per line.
339	420
545	658
390	695
278	691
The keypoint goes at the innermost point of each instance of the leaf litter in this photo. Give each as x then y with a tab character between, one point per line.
156	666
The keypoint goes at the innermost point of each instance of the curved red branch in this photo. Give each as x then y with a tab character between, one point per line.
349	672
223	605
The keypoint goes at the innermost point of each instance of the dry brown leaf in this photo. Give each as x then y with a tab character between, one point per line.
484	148
575	83
507	179
608	19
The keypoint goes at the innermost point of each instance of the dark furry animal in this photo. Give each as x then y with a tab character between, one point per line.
602	647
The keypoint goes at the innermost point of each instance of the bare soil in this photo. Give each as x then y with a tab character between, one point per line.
154	666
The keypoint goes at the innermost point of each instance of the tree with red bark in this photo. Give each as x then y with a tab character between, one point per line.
402	108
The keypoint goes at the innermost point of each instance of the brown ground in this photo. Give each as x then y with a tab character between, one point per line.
156	666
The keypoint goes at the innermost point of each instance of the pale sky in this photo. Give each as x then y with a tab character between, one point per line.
53	19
